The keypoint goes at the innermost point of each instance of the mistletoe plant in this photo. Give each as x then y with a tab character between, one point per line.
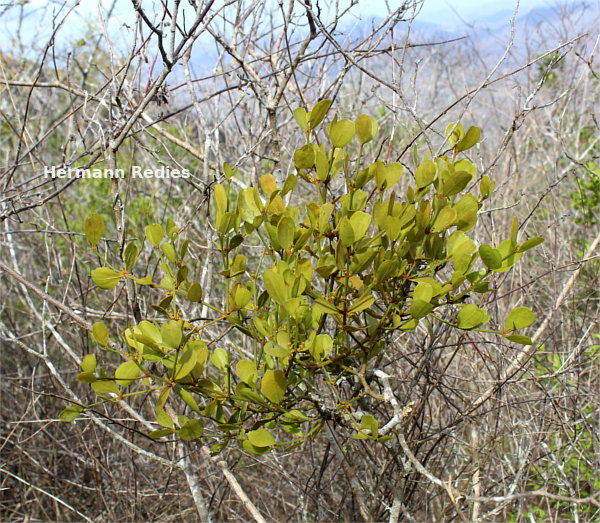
317	274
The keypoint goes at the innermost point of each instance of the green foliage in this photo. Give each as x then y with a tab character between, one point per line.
573	447
550	67
317	273
586	201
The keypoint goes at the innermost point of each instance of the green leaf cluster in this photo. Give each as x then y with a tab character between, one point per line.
318	270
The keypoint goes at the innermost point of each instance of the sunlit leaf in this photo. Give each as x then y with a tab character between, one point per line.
155	234
220	359
106	278
171	333
274	385
318	112
275	286
70	413
192	429
247	372
88	363
419	309
519	318
304	158
100	333
491	257
127	372
285	232
471	317
185	364
195	292
341	132
301	117
530	244
268	183
261	438
366	128
444	219
93	227
520	339
425	173
470	139
361	303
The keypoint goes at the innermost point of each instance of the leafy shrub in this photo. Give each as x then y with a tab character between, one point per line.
317	273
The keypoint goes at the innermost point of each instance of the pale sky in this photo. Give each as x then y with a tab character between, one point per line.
441	12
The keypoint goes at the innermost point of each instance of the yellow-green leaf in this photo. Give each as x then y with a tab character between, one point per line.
146	280
325	306
360	222
425	174
456	183
160	433
238	266
285	232
171	333
70	413
519	318
444	219
93	227
130	256
423	291
220	359
490	256
127	372
169	252
274	385
86	377
318	112
163	419
530	244
341	132
471	316
247	205
261	438
220	198
189	400
88	363
100	333
301	117
276	287
419	309
192	429
520	339
454	133
155	234
241	297
185	363
392	174
304	157
195	292
362	302
268	184
105	387
247	372
229	171
366	128
321	347
106	278
486	186
470	139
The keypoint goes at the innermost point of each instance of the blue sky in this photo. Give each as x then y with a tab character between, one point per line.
445	13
